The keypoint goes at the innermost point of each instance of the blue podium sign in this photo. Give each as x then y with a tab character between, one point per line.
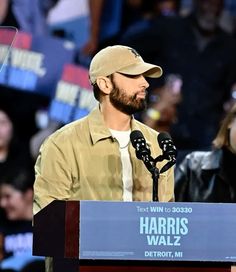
157	231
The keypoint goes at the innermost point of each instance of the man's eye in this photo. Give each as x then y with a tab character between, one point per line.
130	76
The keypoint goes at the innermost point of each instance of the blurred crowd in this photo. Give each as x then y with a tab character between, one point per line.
192	40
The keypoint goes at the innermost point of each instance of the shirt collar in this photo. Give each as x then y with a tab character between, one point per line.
98	129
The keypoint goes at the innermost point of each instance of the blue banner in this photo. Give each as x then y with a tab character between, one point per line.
74	97
7	37
34	64
157	231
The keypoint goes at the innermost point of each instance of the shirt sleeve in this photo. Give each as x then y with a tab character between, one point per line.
53	175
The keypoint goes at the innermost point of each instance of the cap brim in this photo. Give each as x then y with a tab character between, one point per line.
147	69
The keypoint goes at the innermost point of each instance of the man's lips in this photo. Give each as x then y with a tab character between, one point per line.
141	95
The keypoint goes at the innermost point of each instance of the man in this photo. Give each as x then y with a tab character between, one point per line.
92	158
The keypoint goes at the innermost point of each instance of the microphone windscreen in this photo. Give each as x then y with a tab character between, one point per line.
161	137
134	135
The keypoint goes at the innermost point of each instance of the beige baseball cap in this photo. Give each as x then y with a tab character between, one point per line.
122	59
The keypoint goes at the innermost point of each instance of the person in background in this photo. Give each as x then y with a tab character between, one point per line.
79	25
89	27
140	15
197	49
229	103
210	176
227	18
13	152
26	15
162	107
7	17
16	199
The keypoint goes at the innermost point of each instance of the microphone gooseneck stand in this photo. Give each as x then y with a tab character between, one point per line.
155	177
151	166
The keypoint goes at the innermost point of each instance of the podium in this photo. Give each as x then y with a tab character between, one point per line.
100	236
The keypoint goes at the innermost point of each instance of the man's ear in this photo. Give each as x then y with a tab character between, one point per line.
104	84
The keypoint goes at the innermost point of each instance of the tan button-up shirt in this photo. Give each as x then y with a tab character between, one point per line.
81	161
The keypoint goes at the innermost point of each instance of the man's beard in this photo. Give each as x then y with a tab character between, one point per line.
128	104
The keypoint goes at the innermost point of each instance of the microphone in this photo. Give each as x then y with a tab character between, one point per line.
166	144
169	150
143	153
142	150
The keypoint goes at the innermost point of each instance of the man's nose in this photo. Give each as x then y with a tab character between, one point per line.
144	82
